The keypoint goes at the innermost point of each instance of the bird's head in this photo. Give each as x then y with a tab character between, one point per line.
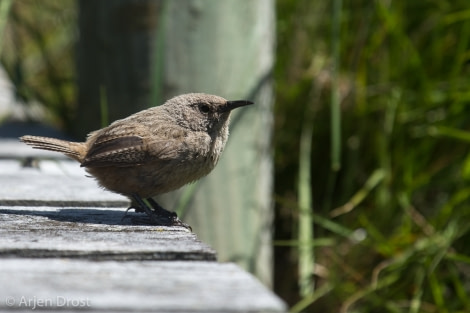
202	112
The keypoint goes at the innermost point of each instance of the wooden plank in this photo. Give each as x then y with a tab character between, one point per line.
35	177
31	187
64	242
145	286
94	233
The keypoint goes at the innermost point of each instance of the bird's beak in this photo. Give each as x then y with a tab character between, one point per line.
230	105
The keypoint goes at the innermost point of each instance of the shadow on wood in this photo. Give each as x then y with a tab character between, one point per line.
86	215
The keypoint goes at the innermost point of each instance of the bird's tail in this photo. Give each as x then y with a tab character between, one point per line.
75	150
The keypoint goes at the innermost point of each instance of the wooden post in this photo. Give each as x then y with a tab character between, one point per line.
115	54
227	48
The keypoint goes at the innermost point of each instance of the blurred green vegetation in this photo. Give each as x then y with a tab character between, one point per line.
37	47
391	221
391	226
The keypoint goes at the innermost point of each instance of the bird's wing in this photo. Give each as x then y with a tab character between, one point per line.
110	149
118	151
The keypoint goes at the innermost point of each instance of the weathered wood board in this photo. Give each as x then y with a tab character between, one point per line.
66	245
145	286
94	233
52	182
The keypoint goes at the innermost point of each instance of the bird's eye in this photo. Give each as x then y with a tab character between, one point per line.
204	108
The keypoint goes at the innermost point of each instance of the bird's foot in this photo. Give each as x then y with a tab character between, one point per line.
167	219
136	210
157	214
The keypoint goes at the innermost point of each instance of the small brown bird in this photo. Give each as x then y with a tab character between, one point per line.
153	151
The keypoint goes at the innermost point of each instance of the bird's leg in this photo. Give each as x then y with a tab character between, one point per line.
135	208
158	216
159	210
125	213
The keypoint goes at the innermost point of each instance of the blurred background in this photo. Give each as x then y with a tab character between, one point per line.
345	189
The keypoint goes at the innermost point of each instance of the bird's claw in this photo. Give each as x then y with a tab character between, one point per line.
157	214
167	220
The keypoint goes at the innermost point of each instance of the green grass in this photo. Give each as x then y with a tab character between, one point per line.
4	10
394	219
